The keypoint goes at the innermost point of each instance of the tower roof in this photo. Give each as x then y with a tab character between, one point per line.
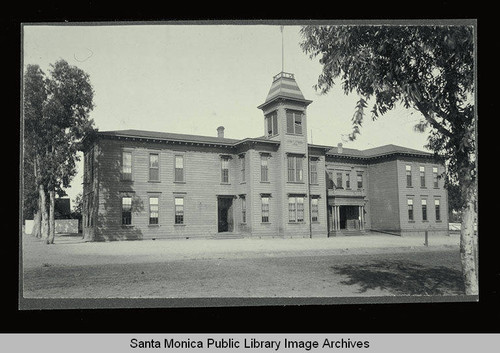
284	86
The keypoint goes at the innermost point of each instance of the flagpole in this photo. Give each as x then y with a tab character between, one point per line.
282	51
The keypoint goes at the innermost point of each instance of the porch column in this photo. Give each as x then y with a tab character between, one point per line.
363	216
337	217
361	221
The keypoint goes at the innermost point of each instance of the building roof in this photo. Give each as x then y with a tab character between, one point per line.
380	151
284	86
214	140
168	136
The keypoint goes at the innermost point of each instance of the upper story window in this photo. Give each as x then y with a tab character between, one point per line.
339	181
330	184
154	167
359	179
313	170
224	172
422	176
243	167
347	180
126	165
179	168
264	169
435	177
408	176
295	168
271	122
294	122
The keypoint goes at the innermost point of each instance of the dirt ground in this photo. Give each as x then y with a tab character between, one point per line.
73	269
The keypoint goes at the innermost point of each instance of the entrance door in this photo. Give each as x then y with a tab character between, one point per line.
225	214
349	217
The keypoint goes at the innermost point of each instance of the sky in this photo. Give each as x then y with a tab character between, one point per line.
191	78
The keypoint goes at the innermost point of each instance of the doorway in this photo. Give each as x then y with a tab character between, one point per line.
225	214
349	217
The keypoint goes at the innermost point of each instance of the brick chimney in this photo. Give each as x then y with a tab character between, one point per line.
339	148
220	131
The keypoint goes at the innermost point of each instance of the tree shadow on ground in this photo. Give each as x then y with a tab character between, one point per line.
403	278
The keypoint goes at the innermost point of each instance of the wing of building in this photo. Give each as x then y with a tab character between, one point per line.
152	185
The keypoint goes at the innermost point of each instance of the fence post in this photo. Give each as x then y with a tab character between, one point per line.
426	238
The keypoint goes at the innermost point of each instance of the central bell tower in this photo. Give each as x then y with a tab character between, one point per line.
285	120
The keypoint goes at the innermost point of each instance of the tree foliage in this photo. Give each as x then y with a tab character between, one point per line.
428	68
56	111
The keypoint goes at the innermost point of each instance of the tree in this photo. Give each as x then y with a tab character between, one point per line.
428	68
56	117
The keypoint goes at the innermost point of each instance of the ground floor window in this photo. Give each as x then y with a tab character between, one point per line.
153	210
179	210
126	210
296	209
424	210
265	209
314	209
410	209
437	209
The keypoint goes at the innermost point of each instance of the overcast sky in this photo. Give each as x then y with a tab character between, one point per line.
189	78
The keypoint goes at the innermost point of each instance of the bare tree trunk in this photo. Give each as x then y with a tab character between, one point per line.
43	211
52	222
37	219
468	250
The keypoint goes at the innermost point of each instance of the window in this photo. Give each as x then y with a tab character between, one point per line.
243	166
313	166
127	165
422	177
154	168
339	181
294	122
314	209
126	210
437	209
224	170
295	170
153	210
359	179
179	168
348	180
330	184
435	177
410	209
408	176
271	124
264	168
265	208
424	210
243	209
179	210
296	209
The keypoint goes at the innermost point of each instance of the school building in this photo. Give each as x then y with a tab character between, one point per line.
159	185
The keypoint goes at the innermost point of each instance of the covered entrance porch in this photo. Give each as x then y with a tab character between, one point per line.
346	217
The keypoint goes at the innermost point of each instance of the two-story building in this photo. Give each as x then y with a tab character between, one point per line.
153	185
